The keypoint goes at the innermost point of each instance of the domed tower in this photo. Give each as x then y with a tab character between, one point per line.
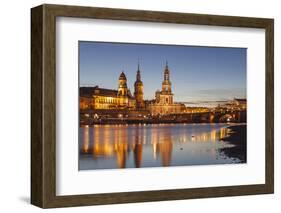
122	91
122	85
139	90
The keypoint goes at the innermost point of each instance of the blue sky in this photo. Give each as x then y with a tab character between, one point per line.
198	74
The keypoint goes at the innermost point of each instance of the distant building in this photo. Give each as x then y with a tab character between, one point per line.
241	103
197	109
235	104
164	103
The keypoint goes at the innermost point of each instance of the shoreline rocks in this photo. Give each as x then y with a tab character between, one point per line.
238	138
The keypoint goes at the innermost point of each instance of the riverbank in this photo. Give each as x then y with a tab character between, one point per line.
238	138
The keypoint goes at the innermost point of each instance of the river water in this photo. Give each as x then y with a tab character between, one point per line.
152	145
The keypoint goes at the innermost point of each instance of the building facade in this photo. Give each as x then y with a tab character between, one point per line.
97	98
101	98
164	103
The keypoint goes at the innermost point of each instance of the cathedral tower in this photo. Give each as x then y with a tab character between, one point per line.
164	104
165	96
166	84
122	90
122	85
139	90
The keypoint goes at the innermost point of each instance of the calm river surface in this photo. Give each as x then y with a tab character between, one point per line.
152	145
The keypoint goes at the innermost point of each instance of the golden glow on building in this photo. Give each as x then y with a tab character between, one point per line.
107	99
85	102
196	109
114	99
101	98
164	103
139	90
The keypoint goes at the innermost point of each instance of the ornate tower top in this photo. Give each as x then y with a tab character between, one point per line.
122	76
139	90
138	78
166	84
166	72
122	85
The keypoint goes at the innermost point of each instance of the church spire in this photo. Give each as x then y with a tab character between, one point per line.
166	84
138	78
166	72
139	90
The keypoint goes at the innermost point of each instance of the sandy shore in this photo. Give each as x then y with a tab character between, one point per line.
237	137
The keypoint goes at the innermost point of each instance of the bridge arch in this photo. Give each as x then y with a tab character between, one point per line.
227	118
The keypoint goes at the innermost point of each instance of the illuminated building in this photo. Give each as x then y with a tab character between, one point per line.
86	101
96	98
139	91
197	109
101	98
164	103
124	97
240	103
237	104
104	98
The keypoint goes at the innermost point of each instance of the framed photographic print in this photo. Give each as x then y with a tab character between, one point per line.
136	106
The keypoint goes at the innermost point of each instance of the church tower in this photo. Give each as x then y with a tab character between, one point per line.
166	84
122	85
164	104
166	96
139	90
122	90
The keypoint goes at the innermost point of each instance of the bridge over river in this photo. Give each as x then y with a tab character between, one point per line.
89	117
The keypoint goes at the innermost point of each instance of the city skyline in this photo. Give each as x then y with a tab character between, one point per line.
148	105
199	75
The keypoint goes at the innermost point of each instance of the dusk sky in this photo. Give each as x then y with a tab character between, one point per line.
199	75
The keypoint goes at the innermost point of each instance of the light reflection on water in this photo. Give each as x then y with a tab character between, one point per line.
130	146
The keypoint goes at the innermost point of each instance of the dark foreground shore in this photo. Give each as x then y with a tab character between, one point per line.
237	137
